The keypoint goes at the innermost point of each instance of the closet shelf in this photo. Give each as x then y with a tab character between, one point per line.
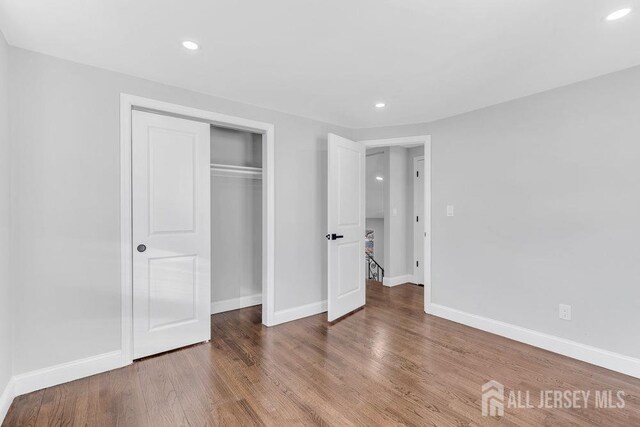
228	170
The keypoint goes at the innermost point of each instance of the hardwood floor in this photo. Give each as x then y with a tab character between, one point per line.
387	364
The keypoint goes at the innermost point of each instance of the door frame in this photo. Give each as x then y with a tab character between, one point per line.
426	141
415	213
267	130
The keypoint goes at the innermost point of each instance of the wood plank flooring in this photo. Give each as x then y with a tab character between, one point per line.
389	364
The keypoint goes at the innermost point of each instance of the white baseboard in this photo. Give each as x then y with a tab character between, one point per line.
6	398
586	353
295	313
235	303
65	372
411	278
397	280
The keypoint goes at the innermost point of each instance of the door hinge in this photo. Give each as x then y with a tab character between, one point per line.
416	219
417	174
417	264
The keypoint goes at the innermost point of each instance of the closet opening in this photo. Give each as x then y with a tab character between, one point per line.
236	219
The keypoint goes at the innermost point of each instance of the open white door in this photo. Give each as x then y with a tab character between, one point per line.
346	221
171	233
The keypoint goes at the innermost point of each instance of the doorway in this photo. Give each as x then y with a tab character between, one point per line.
347	208
179	311
236	219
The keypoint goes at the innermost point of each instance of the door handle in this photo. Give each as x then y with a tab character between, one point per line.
334	236
141	248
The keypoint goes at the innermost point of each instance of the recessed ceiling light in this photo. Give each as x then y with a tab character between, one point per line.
188	44
379	178
380	105
621	13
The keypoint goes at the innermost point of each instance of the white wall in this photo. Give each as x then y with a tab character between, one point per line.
375	166
396	213
236	217
377	160
236	237
546	194
233	147
5	223
65	125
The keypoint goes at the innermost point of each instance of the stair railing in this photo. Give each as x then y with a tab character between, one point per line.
374	270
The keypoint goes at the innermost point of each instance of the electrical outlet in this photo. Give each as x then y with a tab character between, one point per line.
565	312
449	210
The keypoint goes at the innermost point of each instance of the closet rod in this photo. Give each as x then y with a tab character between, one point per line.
233	169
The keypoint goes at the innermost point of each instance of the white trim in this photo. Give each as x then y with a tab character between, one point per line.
55	375
65	372
413	140
404	140
427	296
235	303
268	227
397	280
416	159
296	313
6	398
129	102
126	239
596	356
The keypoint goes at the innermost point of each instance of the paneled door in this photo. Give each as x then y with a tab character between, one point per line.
346	226
171	233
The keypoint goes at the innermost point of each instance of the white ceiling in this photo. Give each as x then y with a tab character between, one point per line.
333	59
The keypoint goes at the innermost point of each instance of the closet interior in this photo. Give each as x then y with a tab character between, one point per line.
236	219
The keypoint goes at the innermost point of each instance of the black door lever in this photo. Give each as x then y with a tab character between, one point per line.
334	236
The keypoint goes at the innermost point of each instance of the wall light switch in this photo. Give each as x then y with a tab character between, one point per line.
565	312
449	210
394	212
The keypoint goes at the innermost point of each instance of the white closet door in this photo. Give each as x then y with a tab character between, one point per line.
171	233
346	221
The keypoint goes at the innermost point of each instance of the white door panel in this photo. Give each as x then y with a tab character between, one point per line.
346	222
172	156
348	280
172	291
171	218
